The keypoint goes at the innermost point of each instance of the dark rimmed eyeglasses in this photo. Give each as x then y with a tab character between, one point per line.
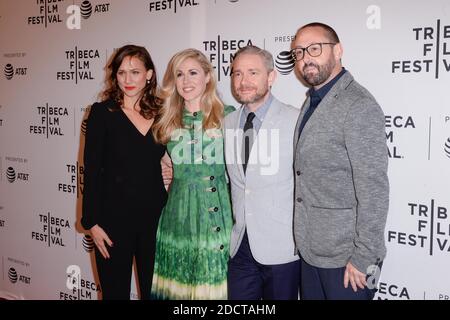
314	50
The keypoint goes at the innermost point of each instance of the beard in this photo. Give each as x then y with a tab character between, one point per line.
257	96
324	72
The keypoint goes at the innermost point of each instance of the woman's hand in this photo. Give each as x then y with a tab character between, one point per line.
100	237
166	170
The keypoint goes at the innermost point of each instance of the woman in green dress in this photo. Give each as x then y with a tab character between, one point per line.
192	246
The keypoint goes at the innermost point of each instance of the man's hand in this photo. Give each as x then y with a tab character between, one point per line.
356	277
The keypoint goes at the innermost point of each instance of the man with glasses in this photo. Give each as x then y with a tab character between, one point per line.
341	187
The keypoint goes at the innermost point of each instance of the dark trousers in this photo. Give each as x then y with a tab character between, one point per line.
328	284
115	272
250	280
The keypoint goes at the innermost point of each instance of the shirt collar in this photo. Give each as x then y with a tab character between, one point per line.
322	92
261	112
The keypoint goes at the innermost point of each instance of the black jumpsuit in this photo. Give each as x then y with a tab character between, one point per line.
124	194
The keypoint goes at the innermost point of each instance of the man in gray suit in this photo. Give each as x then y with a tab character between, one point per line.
259	157
341	187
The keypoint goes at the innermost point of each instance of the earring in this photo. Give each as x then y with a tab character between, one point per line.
148	81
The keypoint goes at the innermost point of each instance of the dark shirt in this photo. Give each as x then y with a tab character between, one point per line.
316	97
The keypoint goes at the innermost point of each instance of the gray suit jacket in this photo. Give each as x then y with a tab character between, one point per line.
341	187
262	198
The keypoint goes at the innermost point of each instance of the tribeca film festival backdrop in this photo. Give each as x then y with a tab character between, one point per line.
52	59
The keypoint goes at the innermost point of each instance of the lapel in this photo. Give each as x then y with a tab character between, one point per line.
299	121
271	120
330	100
238	144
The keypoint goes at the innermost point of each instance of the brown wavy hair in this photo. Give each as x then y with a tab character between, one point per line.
149	102
170	115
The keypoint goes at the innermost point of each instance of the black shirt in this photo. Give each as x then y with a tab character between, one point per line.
316	97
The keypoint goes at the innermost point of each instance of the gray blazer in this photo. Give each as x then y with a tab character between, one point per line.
263	198
341	187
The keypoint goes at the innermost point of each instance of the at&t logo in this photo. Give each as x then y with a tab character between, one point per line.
10	71
83	127
12	176
86	9
83	11
284	62
88	243
85	116
447	147
14	277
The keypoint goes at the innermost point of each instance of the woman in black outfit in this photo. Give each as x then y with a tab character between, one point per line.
124	190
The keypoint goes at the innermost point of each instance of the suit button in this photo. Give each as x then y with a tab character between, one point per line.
216	209
298	172
299	199
211	178
214	189
218	229
221	247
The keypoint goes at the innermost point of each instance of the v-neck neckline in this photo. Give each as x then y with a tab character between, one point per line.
134	126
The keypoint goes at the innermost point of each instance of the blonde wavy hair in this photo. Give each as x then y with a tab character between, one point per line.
170	115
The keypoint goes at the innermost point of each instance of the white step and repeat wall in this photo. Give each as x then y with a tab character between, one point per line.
52	59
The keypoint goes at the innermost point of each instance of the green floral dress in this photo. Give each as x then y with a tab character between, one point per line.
192	243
